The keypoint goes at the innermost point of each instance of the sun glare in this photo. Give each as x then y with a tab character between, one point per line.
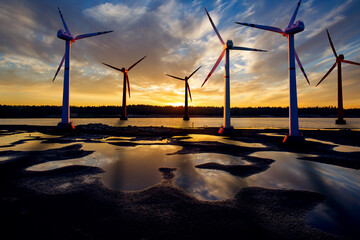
177	104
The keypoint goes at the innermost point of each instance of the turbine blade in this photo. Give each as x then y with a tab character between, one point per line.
294	15
128	83
188	88
61	63
213	25
301	67
113	67
263	27
214	67
247	49
135	63
327	74
331	43
194	72
64	23
175	77
346	61
90	35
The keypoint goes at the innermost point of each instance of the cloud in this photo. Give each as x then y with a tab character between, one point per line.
118	13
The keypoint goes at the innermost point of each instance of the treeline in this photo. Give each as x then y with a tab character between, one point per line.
7	111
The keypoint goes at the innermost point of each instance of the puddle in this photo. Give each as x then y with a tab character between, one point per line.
26	142
339	213
272	134
4	159
338	148
211	138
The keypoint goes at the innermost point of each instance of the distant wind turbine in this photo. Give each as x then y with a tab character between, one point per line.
126	81
226	128
339	60
69	39
187	88
289	32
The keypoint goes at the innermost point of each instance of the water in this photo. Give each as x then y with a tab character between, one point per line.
307	123
136	168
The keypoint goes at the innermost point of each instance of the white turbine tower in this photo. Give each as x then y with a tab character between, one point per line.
69	39
290	30
226	128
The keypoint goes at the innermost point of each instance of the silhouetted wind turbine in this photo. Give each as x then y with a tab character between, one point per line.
126	81
339	60
290	30
226	128
187	88
69	39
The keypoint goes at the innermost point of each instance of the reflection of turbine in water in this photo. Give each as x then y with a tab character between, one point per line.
114	175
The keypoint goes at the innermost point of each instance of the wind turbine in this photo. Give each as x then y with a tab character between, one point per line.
69	39
126	81
339	60
187	88
226	128
289	32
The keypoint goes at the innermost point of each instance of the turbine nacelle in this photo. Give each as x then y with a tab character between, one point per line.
64	35
341	57
229	44
295	28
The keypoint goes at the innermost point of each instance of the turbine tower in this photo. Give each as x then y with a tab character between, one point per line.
125	81
187	88
289	32
69	39
339	60
226	128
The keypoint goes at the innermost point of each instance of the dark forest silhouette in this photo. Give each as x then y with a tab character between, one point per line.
8	111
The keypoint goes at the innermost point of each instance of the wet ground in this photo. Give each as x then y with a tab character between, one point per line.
202	166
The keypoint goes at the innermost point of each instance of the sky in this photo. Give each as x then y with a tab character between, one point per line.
176	36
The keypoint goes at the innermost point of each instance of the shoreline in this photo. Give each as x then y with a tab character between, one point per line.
180	116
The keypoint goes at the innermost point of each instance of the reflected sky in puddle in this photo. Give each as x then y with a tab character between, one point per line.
27	142
211	138
136	168
338	148
340	185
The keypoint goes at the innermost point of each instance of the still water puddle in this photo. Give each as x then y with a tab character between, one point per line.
136	168
27	142
337	147
339	213
212	138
